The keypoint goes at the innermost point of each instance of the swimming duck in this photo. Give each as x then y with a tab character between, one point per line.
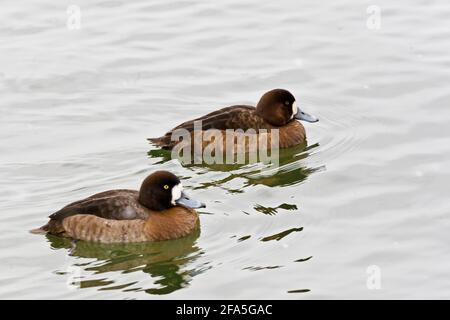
277	109
160	210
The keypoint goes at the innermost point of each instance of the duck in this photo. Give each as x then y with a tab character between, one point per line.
276	109
160	210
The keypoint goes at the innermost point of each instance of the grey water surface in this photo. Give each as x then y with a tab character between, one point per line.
371	190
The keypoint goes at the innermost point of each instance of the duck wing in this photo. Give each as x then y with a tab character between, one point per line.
113	204
234	117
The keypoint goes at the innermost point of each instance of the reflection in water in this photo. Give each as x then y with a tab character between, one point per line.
165	261
273	210
262	268
290	171
299	291
303	259
281	235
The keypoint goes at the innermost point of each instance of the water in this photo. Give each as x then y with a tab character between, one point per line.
370	189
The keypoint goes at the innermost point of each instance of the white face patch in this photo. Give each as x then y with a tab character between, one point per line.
294	109
176	192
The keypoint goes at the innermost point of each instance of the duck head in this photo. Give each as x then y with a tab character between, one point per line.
278	107
163	190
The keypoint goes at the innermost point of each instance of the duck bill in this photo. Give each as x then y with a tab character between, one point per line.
187	201
300	115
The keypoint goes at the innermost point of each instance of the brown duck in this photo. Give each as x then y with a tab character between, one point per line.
160	210
277	109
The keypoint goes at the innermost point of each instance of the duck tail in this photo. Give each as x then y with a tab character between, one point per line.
164	142
40	230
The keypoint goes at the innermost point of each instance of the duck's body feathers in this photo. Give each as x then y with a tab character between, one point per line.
170	224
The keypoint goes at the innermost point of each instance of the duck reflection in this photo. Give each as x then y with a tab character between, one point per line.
291	169
166	261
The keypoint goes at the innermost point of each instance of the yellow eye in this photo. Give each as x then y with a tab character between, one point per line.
166	186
